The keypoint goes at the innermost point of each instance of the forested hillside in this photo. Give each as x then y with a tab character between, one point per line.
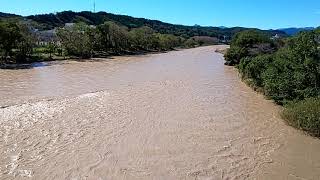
49	21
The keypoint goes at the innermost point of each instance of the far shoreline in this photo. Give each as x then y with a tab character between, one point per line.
41	62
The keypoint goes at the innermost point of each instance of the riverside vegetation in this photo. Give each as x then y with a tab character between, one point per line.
18	44
285	70
97	35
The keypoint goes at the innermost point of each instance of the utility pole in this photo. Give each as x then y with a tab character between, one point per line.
94	6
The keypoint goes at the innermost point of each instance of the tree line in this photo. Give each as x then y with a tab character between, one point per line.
285	70
79	40
87	41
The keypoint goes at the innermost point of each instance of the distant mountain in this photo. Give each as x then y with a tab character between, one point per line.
294	31
50	21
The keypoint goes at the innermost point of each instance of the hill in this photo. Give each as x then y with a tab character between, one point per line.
7	15
50	21
294	31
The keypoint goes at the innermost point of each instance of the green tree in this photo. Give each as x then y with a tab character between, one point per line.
252	68
144	38
249	38
113	37
51	48
190	43
168	41
16	36
295	71
248	43
25	45
76	40
10	36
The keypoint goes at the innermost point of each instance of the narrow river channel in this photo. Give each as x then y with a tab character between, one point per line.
177	115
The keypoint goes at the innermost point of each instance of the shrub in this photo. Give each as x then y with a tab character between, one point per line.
294	72
190	43
252	68
248	43
290	76
249	38
234	55
304	115
278	84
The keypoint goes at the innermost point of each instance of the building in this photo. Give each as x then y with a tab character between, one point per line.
47	37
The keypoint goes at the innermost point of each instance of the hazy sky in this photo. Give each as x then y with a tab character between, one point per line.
249	13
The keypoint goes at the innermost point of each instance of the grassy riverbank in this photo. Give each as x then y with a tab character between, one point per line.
285	70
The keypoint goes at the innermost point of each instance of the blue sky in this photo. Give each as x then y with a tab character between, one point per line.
263	14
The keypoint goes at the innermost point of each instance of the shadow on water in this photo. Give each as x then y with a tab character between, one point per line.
24	66
98	58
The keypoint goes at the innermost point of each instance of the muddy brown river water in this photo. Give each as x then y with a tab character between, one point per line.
178	115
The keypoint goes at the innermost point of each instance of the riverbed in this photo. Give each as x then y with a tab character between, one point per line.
175	115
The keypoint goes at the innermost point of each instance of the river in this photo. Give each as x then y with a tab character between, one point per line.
176	115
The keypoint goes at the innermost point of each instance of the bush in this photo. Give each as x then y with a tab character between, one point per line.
253	68
248	43
190	43
295	71
234	55
304	115
290	76
249	38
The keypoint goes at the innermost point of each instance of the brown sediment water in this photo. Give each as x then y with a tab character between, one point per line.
178	115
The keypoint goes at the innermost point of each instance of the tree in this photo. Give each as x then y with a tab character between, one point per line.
190	43
113	37
248	43
295	71
9	37
51	48
25	45
168	41
144	38
15	35
249	38
76	40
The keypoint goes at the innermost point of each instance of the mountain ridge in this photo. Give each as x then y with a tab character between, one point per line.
295	30
53	20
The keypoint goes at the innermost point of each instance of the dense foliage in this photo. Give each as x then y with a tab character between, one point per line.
16	42
249	43
84	41
19	43
76	40
286	71
304	115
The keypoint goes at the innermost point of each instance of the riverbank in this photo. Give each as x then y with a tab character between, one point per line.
285	70
29	63
39	61
178	115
